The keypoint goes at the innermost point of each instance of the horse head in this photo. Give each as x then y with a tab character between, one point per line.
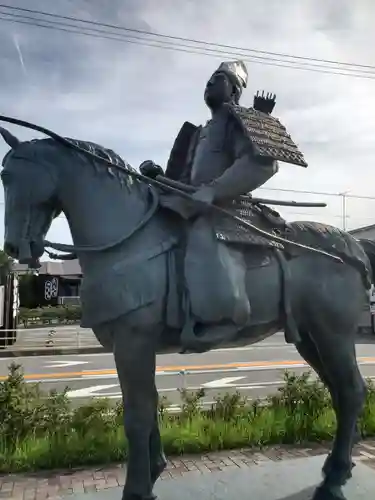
30	185
43	177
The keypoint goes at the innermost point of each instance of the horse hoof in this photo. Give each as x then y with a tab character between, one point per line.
325	493
342	475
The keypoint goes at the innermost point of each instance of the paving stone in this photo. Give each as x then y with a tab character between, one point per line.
70	483
265	482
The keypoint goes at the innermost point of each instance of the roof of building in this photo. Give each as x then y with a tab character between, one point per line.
361	229
54	268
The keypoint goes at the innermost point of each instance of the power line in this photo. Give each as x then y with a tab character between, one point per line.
320	193
157	44
185	39
142	38
132	39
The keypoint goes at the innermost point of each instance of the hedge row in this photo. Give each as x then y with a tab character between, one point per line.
63	314
39	432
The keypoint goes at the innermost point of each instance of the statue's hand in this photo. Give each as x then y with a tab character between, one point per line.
150	169
205	198
201	201
181	206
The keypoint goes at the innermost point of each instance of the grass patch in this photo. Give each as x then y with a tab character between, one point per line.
42	431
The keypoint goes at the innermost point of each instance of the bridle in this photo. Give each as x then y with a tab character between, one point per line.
155	183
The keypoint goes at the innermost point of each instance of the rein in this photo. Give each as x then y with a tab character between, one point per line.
155	183
62	247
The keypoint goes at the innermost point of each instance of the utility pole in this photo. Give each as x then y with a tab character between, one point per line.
344	209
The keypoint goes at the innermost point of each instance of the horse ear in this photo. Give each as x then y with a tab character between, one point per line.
9	138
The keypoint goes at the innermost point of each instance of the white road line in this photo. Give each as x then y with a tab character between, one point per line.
118	394
189	372
221	382
64	364
89	391
92	391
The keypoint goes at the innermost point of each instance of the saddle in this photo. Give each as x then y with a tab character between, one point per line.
230	231
312	234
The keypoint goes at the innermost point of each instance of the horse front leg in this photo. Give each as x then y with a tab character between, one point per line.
134	353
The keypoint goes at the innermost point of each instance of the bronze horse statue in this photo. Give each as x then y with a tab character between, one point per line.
129	251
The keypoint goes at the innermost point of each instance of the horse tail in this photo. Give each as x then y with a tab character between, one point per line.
369	248
9	138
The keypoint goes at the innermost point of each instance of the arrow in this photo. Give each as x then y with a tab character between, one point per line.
222	382
65	364
89	391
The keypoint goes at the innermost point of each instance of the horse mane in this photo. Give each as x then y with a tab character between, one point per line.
97	149
107	154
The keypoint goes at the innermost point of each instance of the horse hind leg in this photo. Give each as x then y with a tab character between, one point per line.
309	352
339	366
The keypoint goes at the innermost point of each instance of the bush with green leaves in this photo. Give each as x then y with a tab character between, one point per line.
63	314
39	430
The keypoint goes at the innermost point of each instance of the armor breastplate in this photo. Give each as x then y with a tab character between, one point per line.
212	156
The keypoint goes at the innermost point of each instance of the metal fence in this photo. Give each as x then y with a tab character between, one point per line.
61	340
52	338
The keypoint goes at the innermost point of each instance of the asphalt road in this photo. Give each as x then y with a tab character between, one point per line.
255	371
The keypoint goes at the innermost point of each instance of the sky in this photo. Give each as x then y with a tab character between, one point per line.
134	98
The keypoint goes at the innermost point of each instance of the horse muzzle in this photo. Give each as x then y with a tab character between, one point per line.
25	252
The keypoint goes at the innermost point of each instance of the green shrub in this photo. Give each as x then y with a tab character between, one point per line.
26	411
73	313
39	430
62	314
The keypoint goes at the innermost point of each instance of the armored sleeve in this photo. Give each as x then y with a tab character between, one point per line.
246	172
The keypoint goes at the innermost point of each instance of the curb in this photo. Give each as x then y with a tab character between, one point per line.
51	351
55	484
61	351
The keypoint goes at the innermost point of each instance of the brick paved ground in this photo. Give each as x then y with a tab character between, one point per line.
54	484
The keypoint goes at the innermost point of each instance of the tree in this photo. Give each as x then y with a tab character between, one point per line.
6	265
7	338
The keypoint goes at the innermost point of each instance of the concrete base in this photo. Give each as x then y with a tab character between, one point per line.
284	480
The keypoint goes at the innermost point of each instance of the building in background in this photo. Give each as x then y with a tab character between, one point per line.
9	303
365	232
368	317
55	283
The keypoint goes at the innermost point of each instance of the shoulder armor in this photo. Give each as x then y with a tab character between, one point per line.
269	138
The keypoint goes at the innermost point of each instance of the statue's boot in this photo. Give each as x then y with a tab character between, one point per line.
197	337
